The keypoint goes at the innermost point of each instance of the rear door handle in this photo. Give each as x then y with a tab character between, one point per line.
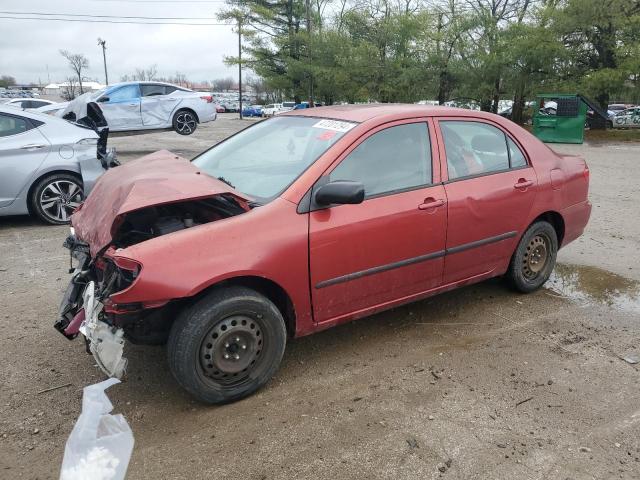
522	183
430	203
32	146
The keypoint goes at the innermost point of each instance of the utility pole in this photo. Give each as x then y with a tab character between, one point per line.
308	15
103	44
240	65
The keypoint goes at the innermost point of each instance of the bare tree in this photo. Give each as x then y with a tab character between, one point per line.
68	91
146	74
223	84
77	62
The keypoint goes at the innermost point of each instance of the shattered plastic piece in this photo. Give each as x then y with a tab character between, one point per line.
106	343
100	444
632	359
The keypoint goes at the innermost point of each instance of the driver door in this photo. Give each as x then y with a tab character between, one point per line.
389	248
121	107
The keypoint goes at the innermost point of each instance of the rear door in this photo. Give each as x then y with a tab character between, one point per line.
490	190
391	246
22	150
122	110
157	104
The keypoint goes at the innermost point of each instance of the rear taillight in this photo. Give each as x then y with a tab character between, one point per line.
207	98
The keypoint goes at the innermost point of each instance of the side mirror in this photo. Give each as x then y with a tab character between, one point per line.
340	192
103	99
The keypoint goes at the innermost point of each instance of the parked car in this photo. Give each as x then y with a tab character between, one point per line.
286	107
220	109
629	118
231	107
28	103
271	109
143	106
47	165
54	109
252	111
227	256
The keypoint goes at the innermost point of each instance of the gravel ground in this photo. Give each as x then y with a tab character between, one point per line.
477	383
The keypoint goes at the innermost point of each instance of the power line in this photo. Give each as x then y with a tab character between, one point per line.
104	16
87	20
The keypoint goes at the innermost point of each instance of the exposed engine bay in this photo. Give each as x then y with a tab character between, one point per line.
155	221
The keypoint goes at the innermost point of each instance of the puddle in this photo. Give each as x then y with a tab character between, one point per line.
593	285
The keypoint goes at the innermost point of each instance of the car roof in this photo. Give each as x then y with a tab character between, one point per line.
144	82
362	113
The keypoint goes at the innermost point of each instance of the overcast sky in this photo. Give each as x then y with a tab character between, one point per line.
28	47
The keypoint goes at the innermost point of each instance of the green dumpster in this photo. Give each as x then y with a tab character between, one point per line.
559	118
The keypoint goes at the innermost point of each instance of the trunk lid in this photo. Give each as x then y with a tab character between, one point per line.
156	179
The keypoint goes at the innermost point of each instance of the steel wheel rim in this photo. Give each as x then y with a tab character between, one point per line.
536	256
186	123
231	350
59	199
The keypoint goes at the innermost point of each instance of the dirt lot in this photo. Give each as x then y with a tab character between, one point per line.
478	383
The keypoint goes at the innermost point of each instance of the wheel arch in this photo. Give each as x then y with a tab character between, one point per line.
37	179
267	287
556	220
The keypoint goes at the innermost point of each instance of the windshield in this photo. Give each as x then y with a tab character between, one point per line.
264	159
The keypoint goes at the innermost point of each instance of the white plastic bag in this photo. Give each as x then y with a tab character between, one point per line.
100	444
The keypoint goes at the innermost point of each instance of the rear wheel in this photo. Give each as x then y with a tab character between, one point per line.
227	345
55	197
534	259
184	122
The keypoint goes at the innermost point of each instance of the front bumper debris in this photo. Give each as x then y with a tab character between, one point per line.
106	342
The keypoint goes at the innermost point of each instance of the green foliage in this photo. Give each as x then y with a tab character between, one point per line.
480	50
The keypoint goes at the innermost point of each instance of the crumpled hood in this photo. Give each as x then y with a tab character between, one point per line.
159	178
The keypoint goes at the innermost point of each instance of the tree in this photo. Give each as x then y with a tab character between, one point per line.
78	62
7	81
223	84
69	91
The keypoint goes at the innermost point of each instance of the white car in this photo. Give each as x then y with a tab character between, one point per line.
629	118
27	102
286	107
271	109
47	165
54	109
143	106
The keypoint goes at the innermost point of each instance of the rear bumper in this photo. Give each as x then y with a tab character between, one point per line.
575	218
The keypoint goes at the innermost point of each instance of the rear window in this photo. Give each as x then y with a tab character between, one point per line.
153	90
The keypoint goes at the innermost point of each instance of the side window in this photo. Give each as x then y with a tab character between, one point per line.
152	90
473	148
123	94
393	159
10	125
170	89
516	156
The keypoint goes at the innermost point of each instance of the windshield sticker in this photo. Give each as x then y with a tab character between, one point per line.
328	135
335	125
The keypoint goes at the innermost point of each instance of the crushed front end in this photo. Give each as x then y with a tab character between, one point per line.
86	308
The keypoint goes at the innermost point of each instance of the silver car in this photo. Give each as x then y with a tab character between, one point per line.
47	165
144	106
629	118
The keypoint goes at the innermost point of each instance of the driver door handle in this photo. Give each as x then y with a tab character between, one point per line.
430	203
523	183
32	146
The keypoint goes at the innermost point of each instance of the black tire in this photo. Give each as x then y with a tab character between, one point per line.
228	323
55	196
534	258
185	122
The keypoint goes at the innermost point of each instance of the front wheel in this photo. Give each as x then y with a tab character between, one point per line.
55	197
227	345
184	122
534	259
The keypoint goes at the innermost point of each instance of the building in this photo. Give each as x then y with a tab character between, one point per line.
56	88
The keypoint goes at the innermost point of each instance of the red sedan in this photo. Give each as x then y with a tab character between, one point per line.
305	221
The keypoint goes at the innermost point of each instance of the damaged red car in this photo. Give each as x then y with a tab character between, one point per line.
343	212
